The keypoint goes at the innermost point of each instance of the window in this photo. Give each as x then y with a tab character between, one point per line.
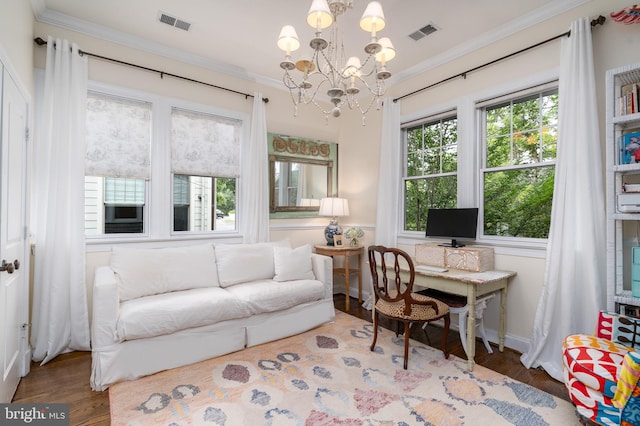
519	145
205	152
173	174
118	143
431	165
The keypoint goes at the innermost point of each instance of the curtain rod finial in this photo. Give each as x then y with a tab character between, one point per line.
598	21
39	41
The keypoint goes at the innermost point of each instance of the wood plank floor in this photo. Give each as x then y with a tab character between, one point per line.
66	378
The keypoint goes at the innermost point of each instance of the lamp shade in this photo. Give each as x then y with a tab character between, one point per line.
334	207
352	67
288	39
387	53
319	16
373	18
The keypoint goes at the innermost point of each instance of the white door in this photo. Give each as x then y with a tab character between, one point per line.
13	261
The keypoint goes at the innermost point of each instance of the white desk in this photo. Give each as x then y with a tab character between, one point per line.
472	285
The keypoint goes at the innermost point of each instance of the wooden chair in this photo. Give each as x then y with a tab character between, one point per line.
395	299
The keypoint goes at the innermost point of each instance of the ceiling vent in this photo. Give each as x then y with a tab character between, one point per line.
173	21
423	32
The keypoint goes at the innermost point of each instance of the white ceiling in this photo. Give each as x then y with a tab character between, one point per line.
239	36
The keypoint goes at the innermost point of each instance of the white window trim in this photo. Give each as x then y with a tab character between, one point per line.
470	162
158	215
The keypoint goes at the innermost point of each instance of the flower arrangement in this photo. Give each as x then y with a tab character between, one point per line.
353	234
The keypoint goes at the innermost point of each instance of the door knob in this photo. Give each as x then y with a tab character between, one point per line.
9	267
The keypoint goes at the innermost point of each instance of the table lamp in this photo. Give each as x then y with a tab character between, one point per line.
333	208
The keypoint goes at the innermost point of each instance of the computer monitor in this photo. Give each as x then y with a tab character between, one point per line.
453	223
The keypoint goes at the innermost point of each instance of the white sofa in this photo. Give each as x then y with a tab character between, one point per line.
156	309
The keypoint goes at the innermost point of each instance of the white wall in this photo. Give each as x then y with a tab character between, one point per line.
614	45
359	147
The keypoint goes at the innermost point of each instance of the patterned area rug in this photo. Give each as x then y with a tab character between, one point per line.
328	376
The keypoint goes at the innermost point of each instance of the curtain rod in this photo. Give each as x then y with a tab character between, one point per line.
40	42
598	21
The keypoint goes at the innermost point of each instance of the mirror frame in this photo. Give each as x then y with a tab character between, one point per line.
289	149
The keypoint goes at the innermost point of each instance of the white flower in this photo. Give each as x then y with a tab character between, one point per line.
354	232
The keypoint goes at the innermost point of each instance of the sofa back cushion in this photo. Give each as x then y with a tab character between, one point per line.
143	272
241	263
293	264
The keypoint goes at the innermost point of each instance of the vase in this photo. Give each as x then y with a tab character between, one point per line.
354	242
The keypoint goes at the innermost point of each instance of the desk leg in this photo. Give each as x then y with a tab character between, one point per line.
359	278
471	326
346	281
503	318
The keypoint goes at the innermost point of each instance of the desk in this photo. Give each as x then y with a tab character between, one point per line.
346	251
472	285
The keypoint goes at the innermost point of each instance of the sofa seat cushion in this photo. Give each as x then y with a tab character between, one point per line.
591	366
170	312
269	296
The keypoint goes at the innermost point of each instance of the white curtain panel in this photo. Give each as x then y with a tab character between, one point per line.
60	314
389	190
254	195
574	288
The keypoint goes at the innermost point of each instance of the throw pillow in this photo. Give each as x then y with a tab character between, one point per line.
293	264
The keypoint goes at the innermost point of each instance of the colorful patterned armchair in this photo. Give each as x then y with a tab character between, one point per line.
601	371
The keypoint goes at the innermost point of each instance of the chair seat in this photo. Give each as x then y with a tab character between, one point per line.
591	365
418	312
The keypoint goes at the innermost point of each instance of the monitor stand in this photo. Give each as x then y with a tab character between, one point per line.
453	244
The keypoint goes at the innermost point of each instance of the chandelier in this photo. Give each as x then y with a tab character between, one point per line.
327	69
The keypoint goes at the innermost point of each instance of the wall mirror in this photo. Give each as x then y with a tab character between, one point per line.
301	172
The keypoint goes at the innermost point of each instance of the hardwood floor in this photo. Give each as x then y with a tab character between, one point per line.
66	378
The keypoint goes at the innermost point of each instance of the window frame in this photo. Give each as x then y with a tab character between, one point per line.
158	212
439	117
481	108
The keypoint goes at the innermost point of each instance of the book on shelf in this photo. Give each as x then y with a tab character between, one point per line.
628	100
630	148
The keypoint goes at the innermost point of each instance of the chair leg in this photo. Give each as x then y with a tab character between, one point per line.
424	327
445	335
484	337
375	329
407	324
462	328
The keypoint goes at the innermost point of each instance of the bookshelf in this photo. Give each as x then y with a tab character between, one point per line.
622	187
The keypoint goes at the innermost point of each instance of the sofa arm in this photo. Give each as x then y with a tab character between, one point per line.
106	303
323	270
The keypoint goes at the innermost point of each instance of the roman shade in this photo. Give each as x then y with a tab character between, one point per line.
204	144
118	137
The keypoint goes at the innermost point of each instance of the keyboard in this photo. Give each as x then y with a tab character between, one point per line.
430	268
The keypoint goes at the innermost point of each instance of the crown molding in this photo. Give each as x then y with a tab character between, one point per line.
526	21
47	16
51	17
